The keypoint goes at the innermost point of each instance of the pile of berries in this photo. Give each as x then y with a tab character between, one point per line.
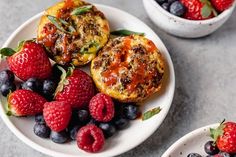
224	143
63	100
195	9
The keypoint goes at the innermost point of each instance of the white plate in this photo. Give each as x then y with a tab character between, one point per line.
124	140
191	143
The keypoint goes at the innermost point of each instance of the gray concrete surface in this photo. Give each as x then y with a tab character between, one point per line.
205	77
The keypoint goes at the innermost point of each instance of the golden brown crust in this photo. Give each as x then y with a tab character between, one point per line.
129	69
80	47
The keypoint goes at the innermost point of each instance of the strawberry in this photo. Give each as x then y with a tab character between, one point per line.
29	60
76	87
25	103
225	137
198	9
57	115
222	5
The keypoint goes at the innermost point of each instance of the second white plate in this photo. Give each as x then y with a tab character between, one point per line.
191	143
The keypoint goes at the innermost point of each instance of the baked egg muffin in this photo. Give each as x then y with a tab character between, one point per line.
73	31
129	69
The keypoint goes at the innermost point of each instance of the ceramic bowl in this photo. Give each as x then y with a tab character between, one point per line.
181	27
193	142
135	134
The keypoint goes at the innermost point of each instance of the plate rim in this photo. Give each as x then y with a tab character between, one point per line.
49	152
192	134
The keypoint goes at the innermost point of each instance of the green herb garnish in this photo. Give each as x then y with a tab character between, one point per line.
81	10
61	24
90	48
125	32
151	113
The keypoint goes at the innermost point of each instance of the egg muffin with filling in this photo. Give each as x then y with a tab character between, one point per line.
129	69
73	31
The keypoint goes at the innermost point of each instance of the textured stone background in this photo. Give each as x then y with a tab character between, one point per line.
205	77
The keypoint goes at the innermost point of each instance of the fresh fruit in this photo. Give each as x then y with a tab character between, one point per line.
83	116
222	5
225	137
7	87
93	121
74	131
177	8
211	148
42	130
29	60
6	76
76	87
48	88
194	155
57	115
108	129
101	107
39	118
59	137
198	9
32	84
25	103
131	111
120	123
90	138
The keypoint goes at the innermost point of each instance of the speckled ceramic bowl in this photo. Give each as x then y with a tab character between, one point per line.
182	27
191	143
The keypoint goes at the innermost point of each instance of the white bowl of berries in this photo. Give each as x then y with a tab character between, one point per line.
216	140
189	18
58	110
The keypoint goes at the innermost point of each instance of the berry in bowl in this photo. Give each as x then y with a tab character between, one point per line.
189	18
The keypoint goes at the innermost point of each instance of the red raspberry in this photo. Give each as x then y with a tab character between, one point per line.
90	138
57	115
101	108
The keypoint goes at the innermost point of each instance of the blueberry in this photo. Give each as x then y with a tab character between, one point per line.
177	8
7	87
48	88
166	6
108	129
42	130
39	119
32	84
131	111
93	121
59	137
73	132
83	116
120	123
194	155
161	1
6	76
224	154
211	148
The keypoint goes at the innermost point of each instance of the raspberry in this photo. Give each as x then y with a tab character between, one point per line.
90	138
57	115
101	107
